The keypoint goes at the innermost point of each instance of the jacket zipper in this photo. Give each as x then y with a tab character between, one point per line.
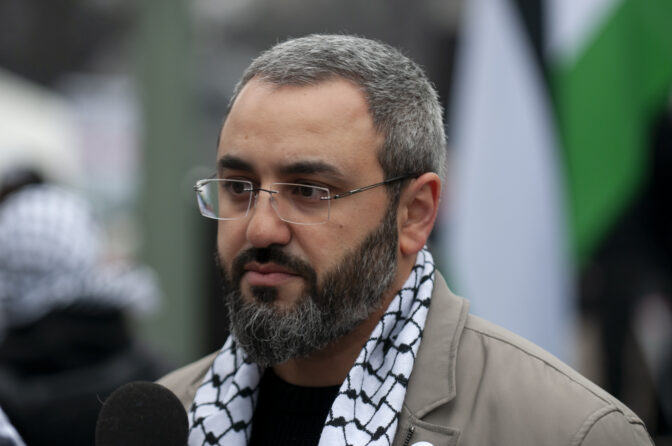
409	434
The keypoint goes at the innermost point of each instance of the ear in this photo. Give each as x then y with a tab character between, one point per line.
418	207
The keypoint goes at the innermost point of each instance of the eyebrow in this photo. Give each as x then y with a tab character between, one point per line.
310	167
307	167
234	163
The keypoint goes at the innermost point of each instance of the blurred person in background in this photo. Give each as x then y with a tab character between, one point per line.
65	339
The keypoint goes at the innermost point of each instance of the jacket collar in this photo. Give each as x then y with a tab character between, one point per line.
428	387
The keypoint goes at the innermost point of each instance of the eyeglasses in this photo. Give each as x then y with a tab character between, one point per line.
300	204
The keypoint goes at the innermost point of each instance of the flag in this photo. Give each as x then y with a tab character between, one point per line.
553	102
611	75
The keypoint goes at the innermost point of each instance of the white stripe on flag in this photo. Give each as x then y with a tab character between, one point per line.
506	241
571	24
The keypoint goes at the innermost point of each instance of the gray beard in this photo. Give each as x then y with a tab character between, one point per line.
348	295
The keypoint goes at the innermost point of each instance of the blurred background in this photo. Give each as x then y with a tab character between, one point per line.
556	217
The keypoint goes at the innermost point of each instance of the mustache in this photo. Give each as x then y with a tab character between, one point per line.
273	254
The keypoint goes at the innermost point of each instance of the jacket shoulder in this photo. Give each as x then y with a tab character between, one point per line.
539	391
184	381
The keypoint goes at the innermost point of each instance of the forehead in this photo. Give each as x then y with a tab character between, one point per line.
329	123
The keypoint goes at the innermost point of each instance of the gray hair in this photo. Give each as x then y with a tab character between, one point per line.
402	101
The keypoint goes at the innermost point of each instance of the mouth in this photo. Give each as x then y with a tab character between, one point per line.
267	274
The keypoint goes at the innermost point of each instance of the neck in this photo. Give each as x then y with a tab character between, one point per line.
331	365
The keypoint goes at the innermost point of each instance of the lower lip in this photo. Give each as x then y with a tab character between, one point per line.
254	278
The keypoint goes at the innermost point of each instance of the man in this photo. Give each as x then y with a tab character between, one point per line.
329	171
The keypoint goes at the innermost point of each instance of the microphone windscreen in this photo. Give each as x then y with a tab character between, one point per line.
142	413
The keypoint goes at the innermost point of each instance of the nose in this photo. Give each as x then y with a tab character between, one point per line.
265	227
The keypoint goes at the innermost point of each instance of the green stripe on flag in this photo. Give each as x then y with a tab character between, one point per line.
605	103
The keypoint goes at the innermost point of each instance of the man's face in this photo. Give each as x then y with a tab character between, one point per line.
284	281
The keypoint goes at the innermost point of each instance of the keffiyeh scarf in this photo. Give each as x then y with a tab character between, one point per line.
53	258
367	406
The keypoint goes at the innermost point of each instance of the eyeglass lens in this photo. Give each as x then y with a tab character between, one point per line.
294	203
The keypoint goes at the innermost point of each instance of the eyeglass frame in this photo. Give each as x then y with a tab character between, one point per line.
255	191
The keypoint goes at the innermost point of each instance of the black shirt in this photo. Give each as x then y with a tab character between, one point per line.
289	415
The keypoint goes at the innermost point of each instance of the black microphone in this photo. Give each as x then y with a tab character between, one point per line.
142	413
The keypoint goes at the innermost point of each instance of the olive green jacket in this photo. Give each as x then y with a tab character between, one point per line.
474	383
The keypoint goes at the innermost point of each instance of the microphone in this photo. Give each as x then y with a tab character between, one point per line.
142	413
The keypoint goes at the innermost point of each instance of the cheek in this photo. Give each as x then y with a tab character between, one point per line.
230	239
315	246
325	246
347	229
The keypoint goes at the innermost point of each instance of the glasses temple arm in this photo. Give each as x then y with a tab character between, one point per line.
362	189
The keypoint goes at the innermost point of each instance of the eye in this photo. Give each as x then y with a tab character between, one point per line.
236	187
306	192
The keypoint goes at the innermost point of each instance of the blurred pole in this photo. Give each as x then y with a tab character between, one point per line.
170	236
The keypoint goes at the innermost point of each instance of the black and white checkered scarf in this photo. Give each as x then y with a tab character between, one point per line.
52	257
367	406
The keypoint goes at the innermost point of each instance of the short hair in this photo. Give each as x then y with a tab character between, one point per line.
402	101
